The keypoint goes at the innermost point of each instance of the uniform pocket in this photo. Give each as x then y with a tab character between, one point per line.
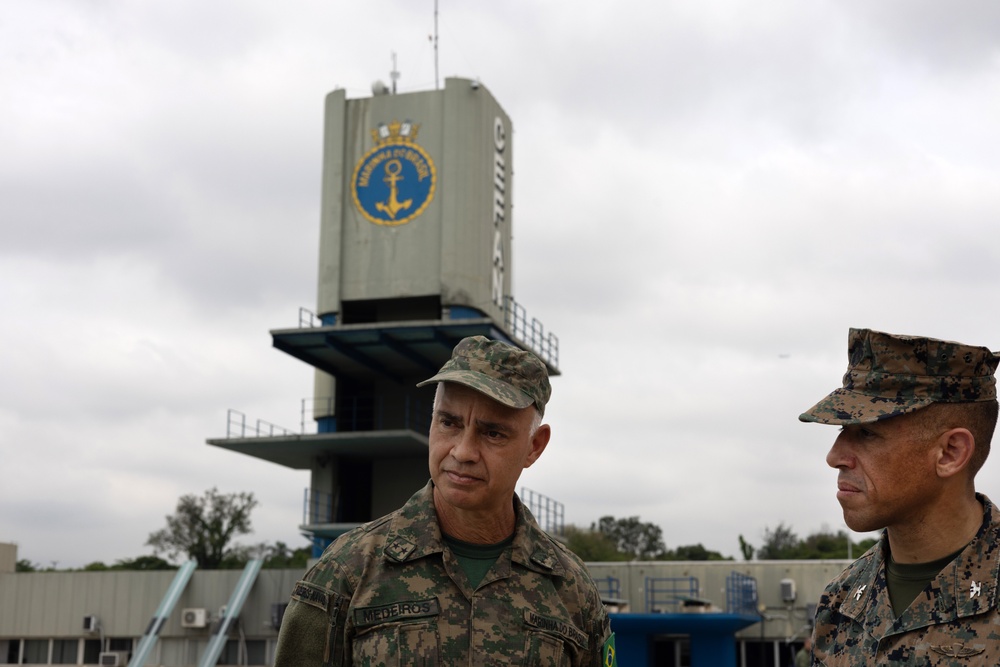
397	644
545	650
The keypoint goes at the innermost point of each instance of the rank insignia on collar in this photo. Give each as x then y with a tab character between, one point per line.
857	594
957	651
976	589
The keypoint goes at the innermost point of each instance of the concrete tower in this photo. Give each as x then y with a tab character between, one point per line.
415	254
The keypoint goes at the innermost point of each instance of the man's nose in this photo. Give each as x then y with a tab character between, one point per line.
840	454
467	447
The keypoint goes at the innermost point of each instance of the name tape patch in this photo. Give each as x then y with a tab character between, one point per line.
555	626
397	611
312	596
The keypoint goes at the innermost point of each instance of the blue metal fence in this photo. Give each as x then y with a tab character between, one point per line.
741	595
609	587
668	593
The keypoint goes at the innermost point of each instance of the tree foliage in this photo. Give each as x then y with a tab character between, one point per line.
693	552
281	557
779	544
638	540
592	546
142	563
783	544
203	528
25	565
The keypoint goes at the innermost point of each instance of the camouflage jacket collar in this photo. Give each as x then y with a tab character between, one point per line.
965	587
414	533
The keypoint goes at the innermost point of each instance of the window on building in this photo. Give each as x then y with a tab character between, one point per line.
120	644
64	651
36	652
91	651
243	652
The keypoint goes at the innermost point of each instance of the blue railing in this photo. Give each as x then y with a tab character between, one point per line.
741	595
550	514
609	587
670	592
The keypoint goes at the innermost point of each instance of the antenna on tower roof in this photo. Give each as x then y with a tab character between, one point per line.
436	86
394	74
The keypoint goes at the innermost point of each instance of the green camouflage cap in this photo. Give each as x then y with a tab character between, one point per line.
890	375
507	374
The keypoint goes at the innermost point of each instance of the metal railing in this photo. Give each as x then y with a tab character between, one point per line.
317	507
237	427
354	415
741	595
365	414
515	320
550	514
308	319
661	592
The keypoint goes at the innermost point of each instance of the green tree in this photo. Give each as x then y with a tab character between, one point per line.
592	545
203	528
693	552
746	549
25	565
779	544
143	563
281	557
641	541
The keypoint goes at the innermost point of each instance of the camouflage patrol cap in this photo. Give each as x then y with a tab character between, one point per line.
506	374
889	375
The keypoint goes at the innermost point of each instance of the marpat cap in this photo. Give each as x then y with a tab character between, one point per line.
889	375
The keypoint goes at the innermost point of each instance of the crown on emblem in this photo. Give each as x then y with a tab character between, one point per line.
395	133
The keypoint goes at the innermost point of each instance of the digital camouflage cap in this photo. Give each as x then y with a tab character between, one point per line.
889	375
507	374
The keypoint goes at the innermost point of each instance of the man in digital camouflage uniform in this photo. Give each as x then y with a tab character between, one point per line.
917	416
461	574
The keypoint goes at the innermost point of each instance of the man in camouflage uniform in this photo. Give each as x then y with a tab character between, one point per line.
461	574
917	417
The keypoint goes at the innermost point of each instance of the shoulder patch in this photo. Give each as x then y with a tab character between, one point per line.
311	595
609	657
556	626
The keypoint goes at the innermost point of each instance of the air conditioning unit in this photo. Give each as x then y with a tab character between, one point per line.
90	624
788	590
112	659
194	618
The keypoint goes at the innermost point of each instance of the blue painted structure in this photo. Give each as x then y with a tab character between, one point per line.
712	635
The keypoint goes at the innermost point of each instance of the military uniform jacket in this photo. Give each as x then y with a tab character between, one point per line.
391	593
953	622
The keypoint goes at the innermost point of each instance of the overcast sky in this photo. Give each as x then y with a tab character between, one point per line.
707	196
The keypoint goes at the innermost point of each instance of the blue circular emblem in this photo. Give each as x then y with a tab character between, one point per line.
393	183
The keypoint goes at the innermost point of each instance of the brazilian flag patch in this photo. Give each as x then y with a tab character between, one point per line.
608	654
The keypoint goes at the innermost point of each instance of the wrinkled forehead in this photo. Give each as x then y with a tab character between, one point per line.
457	399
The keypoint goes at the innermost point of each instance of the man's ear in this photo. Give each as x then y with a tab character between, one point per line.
538	443
955	449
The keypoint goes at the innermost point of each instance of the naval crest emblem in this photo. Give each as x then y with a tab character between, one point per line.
394	182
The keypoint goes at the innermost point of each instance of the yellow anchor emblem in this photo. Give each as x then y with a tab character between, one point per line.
392	205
